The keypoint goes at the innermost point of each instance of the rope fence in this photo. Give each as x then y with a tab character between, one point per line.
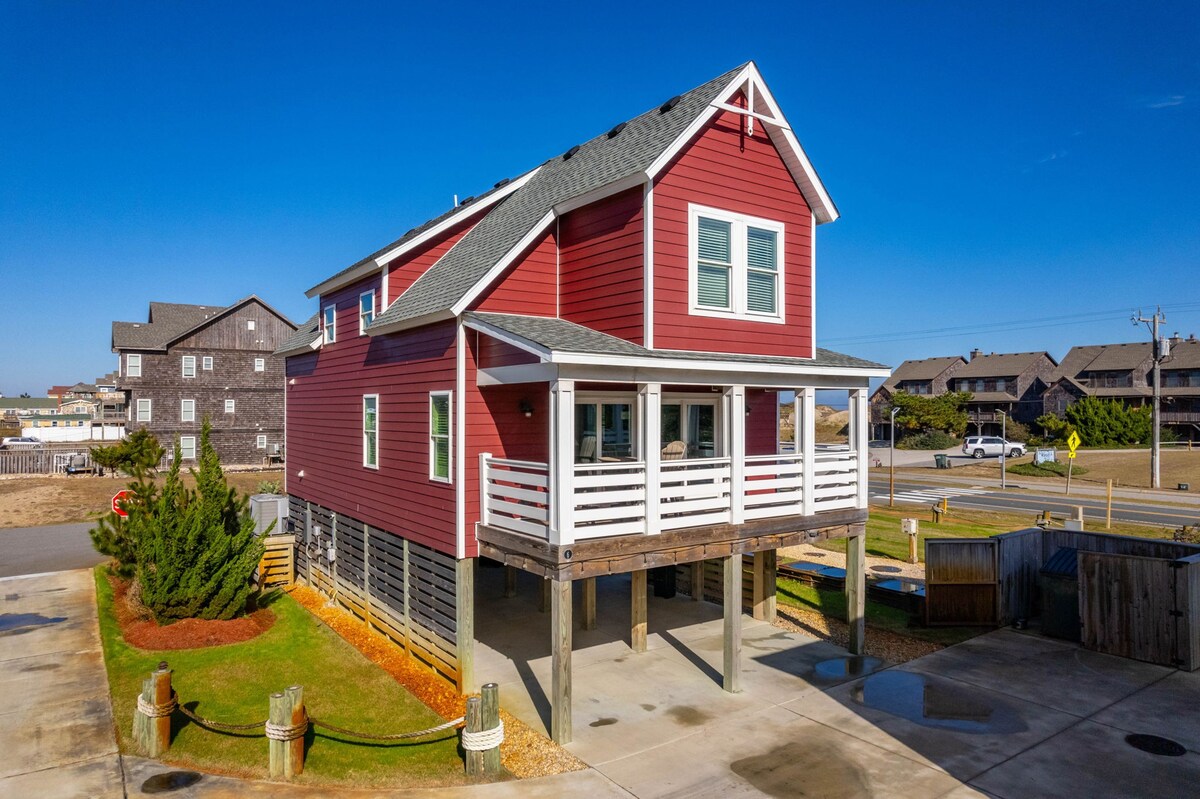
288	723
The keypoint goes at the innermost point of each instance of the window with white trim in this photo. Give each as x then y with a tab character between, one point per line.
260	364
440	456
329	324
735	265
371	431
230	405
366	310
250	324
187	448
187	410
206	363
189	365
260	441
143	410
133	365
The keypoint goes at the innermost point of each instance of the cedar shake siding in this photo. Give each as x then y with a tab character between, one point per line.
234	348
730	171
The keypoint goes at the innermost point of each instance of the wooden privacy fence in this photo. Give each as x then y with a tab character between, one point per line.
962	581
288	722
278	564
399	588
40	461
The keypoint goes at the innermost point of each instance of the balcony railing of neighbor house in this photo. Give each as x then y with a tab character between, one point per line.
609	499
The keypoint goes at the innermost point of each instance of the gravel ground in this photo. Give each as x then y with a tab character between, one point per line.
886	646
876	566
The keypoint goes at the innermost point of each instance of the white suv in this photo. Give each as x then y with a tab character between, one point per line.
981	446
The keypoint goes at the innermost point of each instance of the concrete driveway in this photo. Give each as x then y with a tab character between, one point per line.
1006	714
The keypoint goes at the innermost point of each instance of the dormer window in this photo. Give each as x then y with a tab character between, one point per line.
329	324
735	265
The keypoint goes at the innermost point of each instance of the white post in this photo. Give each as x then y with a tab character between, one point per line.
808	399
650	402
485	517
859	436
562	462
736	407
797	415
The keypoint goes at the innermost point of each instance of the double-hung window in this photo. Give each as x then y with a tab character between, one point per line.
260	364
206	363
736	265
439	436
371	431
143	410
260	441
187	410
187	448
366	310
230	406
133	365
189	365
329	324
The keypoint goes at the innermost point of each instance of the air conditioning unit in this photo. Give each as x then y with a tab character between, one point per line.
275	450
267	508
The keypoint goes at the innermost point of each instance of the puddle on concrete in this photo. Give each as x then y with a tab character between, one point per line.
20	623
847	668
42	667
605	722
803	768
688	715
170	781
1155	745
937	703
887	569
648	707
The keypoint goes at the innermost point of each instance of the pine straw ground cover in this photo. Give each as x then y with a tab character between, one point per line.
524	753
231	684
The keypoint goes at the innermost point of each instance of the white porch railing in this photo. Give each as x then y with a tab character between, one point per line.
609	499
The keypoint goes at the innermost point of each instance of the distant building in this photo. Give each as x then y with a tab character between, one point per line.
188	362
12	408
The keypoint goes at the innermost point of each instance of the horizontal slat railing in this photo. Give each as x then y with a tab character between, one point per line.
514	495
609	499
774	486
835	481
694	492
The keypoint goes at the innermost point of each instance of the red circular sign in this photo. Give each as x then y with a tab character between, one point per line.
117	499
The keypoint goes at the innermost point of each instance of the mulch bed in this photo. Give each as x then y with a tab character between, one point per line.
186	633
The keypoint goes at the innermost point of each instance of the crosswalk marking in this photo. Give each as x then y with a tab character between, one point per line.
930	496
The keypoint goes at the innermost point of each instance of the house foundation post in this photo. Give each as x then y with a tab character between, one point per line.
637	620
589	603
732	671
464	618
765	573
560	645
856	588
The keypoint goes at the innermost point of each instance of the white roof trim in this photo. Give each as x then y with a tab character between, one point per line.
408	324
509	338
466	211
300	349
777	127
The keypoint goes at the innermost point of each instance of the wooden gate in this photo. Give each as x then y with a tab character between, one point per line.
1128	606
962	584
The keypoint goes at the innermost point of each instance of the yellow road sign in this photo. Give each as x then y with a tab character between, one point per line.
1072	455
1073	442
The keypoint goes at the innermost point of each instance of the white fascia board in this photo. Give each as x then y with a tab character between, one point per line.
685	364
409	324
595	195
370	266
300	349
521	373
699	122
481	286
751	378
509	338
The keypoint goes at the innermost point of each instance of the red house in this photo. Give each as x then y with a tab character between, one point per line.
577	374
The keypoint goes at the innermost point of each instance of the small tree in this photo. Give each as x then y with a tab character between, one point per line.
137	454
944	413
114	535
1106	422
197	549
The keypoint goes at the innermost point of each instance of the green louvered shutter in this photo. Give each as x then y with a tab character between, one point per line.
370	431
714	262
762	262
439	435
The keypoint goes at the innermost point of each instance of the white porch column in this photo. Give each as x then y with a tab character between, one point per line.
806	444
562	462
736	407
650	408
860	432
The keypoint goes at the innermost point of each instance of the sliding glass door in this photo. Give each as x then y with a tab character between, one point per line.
689	429
603	432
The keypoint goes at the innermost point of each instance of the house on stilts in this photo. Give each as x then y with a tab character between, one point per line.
578	374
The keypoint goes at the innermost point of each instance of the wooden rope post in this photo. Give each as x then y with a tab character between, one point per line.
278	752
474	760
295	759
153	733
490	696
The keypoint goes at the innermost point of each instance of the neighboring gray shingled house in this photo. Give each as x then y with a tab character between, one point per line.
188	362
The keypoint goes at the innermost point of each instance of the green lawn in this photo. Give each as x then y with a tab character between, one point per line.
231	684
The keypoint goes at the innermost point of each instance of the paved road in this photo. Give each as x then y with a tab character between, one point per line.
917	493
56	547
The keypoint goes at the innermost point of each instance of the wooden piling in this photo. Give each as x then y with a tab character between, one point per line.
295	758
589	603
544	596
732	670
765	577
473	759
510	582
697	580
560	648
856	589
637	611
153	734
279	714
490	696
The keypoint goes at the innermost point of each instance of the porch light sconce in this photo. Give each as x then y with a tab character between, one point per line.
526	407
300	474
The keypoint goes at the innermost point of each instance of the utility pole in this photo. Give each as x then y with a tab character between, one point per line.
1157	354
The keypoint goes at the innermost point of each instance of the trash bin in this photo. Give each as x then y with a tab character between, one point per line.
941	461
1060	595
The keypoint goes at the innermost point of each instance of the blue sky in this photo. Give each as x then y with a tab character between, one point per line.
1015	176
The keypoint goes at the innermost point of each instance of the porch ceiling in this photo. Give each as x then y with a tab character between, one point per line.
600	556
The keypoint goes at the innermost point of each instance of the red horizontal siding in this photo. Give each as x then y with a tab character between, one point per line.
324	425
404	271
723	168
528	286
602	266
762	422
493	353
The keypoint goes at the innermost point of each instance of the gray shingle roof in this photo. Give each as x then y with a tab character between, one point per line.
559	335
1119	357
597	163
303	336
21	403
925	369
1008	364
